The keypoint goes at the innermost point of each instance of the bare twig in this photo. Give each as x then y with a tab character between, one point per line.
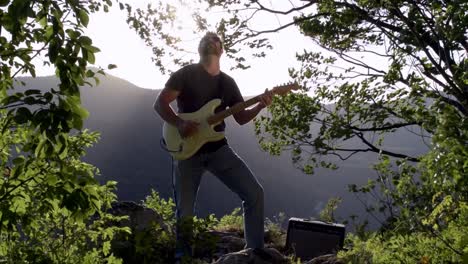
258	33
294	9
385	152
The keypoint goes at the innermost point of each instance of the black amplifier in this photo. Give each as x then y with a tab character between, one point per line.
309	239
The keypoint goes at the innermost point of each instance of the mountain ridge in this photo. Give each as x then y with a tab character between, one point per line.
129	152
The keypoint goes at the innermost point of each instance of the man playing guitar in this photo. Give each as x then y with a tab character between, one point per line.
193	86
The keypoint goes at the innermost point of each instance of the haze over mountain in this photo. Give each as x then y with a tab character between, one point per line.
129	152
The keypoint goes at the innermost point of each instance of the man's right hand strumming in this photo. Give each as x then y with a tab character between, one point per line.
187	128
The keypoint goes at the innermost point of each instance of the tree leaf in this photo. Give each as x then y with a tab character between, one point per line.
40	146
84	18
18	160
91	58
77	123
23	113
32	91
73	34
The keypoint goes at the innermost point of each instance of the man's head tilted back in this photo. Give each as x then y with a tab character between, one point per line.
210	44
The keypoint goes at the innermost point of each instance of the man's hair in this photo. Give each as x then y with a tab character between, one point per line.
205	47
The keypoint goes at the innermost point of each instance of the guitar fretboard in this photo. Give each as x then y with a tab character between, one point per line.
220	116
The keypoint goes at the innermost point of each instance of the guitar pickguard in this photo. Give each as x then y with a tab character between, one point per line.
183	148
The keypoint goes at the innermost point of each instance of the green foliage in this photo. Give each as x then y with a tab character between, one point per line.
204	243
52	209
328	212
425	205
233	222
52	230
154	245
417	247
157	243
37	147
164	208
276	233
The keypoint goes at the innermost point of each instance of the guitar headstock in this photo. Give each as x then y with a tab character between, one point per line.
285	88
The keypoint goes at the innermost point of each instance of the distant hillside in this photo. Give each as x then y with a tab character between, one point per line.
129	152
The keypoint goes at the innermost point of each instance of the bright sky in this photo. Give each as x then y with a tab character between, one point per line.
121	46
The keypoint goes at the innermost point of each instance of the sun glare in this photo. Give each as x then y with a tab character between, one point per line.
121	46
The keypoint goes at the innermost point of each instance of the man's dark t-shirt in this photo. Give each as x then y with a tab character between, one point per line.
197	87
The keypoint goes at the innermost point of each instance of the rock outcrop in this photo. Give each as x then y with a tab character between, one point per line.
229	245
139	217
265	256
325	259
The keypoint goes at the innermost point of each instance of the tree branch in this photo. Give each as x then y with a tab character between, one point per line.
365	15
344	158
263	8
16	187
355	61
258	33
425	41
389	153
387	127
460	107
9	106
368	210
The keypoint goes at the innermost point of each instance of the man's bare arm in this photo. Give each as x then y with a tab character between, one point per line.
244	116
163	108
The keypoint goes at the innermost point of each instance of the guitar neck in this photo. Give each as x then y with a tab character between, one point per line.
220	116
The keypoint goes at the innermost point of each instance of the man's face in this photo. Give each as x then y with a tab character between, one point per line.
217	44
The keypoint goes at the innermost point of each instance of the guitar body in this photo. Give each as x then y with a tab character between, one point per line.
183	148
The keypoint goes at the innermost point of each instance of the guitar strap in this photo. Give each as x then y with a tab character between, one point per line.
220	88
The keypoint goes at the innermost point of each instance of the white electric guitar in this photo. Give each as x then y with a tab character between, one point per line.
183	148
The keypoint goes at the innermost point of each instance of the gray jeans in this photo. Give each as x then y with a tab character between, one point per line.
225	164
